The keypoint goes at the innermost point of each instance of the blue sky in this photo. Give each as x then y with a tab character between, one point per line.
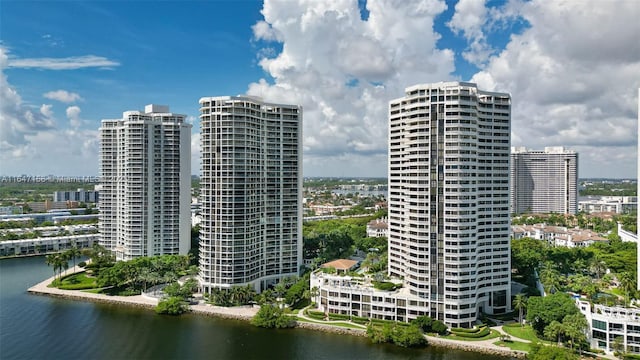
66	65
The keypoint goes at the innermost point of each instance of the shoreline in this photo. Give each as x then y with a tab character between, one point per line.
246	313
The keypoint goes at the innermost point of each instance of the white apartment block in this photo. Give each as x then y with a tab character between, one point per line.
544	181
251	192
607	323
448	222
145	173
558	235
377	228
616	204
81	195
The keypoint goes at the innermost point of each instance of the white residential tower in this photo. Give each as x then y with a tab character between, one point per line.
544	181
145	173
449	199
251	192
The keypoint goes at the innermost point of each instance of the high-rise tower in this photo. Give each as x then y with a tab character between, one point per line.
544	181
145	173
251	192
449	198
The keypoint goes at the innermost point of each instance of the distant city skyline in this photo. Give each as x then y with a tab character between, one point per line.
342	62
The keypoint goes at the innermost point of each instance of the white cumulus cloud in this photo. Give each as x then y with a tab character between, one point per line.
344	70
573	75
31	141
63	96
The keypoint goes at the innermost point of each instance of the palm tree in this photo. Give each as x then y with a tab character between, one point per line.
520	303
550	278
73	253
50	261
627	284
555	330
575	327
597	266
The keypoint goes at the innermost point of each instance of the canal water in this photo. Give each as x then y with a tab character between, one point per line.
40	327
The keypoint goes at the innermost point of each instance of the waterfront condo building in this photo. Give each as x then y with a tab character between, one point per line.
448	217
449	198
251	192
145	173
544	181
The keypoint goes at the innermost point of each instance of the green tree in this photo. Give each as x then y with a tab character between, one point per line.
439	327
550	278
408	336
423	322
542	311
380	334
617	345
520	304
73	253
272	316
172	306
576	327
627	284
542	352
555	331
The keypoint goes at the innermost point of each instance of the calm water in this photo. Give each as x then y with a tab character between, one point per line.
39	327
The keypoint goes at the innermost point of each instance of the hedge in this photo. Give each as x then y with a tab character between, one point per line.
339	317
464	330
482	333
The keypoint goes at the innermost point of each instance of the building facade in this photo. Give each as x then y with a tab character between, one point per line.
448	218
251	192
608	323
145	174
449	199
80	195
616	204
544	181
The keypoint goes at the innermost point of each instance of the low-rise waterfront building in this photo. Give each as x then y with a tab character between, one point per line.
356	296
45	245
606	323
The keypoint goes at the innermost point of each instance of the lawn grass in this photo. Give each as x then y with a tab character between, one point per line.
492	335
514	345
523	332
78	281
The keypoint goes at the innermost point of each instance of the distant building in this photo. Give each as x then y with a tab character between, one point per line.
45	245
377	228
544	181
557	235
145	173
617	204
80	195
250	191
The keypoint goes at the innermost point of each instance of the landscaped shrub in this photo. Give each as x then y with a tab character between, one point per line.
318	315
360	320
82	264
464	330
80	286
484	331
439	327
172	306
385	285
339	317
